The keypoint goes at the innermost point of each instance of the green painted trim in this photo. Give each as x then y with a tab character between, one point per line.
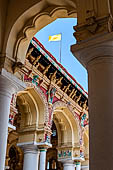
77	163
43	150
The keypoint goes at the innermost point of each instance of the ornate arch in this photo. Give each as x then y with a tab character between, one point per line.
42	97
63	104
19	45
44	18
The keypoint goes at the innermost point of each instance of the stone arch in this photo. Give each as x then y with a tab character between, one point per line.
42	97
31	21
64	129
28	110
33	107
73	120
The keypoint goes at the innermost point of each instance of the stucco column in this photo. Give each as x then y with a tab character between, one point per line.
8	85
78	165
97	56
42	165
68	165
101	112
31	157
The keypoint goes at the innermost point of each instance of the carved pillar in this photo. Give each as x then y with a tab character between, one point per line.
94	49
31	156
43	158
9	84
97	56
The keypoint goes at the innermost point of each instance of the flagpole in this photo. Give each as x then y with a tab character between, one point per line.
60	48
53	38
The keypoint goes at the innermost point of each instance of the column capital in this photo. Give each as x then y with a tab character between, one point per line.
91	49
43	149
92	21
43	145
9	83
29	148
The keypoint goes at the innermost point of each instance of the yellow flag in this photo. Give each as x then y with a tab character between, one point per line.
55	37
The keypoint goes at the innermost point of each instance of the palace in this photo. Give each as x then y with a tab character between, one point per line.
48	121
46	108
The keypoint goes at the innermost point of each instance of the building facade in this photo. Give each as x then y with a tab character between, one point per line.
48	121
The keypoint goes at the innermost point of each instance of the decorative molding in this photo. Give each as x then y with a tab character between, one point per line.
92	49
32	27
64	154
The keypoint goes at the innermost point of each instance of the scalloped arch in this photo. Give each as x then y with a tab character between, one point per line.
18	47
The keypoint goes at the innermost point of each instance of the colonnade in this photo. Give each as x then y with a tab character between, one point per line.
35	158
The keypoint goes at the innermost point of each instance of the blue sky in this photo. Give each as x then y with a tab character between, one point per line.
72	65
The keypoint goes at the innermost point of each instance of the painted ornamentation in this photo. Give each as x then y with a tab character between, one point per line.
64	154
34	80
51	93
84	119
